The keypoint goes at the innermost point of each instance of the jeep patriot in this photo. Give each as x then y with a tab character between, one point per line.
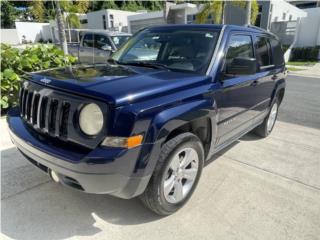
145	123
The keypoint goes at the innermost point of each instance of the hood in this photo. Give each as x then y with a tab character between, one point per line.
116	84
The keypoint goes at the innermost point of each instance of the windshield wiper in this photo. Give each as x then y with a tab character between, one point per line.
146	64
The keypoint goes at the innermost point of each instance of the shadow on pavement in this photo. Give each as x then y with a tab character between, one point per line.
46	210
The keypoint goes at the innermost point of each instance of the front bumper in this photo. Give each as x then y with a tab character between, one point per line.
101	171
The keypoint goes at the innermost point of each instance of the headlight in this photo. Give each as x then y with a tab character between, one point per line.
91	119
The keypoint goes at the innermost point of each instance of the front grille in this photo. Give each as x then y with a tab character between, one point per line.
51	115
44	113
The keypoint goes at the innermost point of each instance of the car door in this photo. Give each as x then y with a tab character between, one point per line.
268	75
86	49
102	48
237	95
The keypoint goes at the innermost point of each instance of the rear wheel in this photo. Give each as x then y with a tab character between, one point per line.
176	175
266	127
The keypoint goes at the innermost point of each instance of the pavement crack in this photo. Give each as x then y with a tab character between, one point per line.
25	190
274	173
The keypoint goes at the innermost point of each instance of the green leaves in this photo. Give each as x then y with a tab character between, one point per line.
15	63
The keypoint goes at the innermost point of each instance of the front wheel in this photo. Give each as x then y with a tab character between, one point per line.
265	128
176	175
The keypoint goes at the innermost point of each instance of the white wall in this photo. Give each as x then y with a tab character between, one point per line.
33	31
280	7
135	22
9	36
95	19
309	29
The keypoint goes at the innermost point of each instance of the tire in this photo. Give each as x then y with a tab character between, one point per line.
263	130
177	150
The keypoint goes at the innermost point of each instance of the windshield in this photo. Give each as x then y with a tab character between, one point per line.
119	40
185	50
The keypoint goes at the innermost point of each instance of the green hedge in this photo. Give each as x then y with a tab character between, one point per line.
305	53
15	63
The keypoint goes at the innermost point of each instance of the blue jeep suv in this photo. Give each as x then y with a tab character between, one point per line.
145	123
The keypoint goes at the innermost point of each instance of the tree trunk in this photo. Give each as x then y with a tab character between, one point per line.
223	11
248	12
60	24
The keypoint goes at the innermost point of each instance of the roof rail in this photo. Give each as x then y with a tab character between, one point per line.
255	27
260	29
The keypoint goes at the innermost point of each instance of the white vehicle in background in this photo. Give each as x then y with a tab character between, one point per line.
96	46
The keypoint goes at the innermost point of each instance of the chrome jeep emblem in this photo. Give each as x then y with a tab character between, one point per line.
45	80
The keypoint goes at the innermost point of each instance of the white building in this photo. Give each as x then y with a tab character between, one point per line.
308	33
175	14
110	19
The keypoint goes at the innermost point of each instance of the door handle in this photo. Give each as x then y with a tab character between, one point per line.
254	83
274	77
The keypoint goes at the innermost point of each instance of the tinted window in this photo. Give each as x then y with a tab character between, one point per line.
101	42
240	46
263	52
88	40
277	53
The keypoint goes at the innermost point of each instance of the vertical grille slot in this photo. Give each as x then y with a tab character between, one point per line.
52	115
24	102
42	112
35	105
63	129
21	99
28	105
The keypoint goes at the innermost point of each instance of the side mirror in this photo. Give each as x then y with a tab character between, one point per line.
242	66
106	48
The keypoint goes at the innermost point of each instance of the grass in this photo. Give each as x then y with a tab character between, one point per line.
302	63
292	69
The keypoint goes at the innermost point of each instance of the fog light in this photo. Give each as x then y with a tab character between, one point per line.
123	142
55	177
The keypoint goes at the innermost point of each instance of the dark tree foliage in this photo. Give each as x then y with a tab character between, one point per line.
8	14
127	5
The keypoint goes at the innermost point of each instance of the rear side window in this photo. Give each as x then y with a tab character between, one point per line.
263	52
88	40
277	53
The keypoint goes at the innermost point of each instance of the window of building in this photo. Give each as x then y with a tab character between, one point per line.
104	22
83	21
263	52
290	17
111	21
284	15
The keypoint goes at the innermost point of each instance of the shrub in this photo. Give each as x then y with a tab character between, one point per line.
15	63
305	53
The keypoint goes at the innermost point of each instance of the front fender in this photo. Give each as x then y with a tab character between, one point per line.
165	122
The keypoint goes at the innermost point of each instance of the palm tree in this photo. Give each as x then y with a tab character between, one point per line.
248	12
60	25
72	18
217	8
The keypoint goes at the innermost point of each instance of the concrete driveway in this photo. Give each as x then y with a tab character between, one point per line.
255	189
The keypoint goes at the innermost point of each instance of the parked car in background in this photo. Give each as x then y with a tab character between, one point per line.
96	46
146	122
